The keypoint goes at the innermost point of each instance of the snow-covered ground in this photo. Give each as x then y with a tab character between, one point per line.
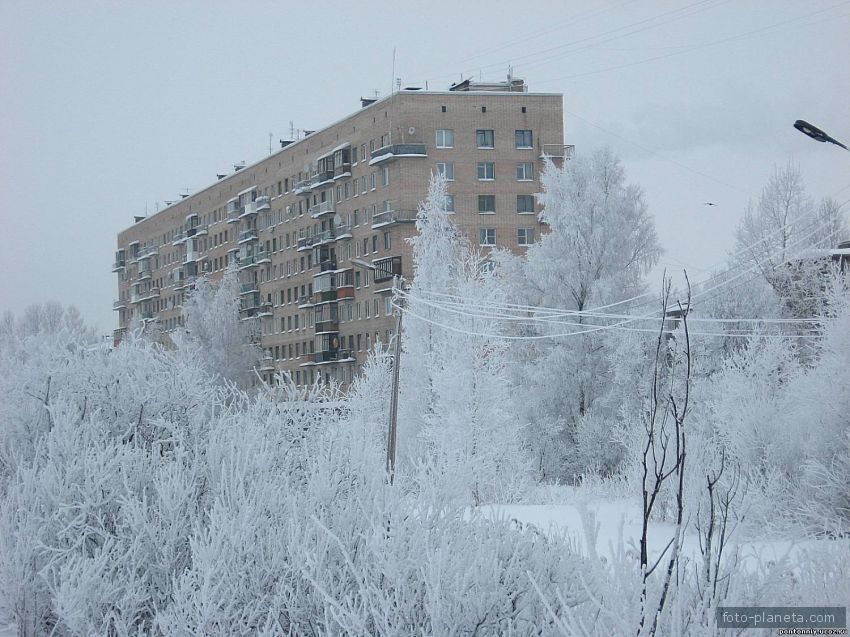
616	518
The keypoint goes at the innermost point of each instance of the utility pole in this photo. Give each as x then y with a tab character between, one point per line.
393	427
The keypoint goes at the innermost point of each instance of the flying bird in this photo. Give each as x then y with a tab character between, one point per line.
709	203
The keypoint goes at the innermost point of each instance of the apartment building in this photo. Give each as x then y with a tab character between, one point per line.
317	230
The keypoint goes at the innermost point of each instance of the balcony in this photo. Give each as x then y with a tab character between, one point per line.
186	283
342	170
179	238
557	151
303	187
248	235
322	209
387	217
327	266
328	236
332	356
248	288
253	260
267	363
197	231
343	232
147	315
119	304
119	265
324	296
232	217
262	203
329	326
387	269
144	274
191	256
304	243
147	295
248	209
394	151
322	178
305	301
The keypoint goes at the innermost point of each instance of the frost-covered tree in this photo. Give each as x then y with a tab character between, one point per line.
454	376
783	226
215	333
600	245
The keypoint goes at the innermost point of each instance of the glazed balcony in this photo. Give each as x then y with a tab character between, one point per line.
332	356
248	210
267	363
305	301
197	231
304	243
343	232
119	304
118	265
248	288
388	217
248	235
328	236
324	296
396	151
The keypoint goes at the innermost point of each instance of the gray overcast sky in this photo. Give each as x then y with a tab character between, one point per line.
108	108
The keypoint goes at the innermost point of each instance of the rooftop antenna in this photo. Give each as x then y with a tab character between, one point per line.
391	97
270	143
292	130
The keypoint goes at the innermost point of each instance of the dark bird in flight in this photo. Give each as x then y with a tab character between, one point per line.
708	203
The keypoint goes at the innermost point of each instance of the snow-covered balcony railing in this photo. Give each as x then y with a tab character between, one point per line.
147	252
233	206
248	209
251	260
326	319
303	187
248	288
196	231
557	151
146	295
267	363
233	217
323	237
342	231
304	301
119	304
147	315
321	209
394	151
304	243
332	356
118	265
322	178
179	237
191	256
262	203
387	217
248	235
144	270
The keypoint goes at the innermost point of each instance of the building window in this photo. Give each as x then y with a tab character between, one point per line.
486	171
525	171
525	236
445	138
485	138
388	245
487	236
446	169
374	243
450	203
524	139
388	306
525	204
486	204
386	176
